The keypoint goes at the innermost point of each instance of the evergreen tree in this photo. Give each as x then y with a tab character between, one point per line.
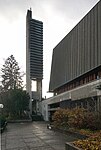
11	75
15	102
12	96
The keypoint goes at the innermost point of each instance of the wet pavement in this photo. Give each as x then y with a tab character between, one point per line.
33	136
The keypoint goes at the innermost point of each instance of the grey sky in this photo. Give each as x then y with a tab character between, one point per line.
58	16
67	8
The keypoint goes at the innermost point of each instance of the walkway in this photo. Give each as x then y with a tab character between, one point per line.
33	136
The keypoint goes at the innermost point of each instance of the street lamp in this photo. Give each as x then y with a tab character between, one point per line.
1	106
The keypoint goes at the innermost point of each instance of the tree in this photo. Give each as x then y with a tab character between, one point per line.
11	75
21	101
15	102
13	97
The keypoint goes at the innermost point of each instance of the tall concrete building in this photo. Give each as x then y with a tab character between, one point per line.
34	60
75	77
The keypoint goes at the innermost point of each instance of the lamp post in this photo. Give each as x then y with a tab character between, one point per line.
1	107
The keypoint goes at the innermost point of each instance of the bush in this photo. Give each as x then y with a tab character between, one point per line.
60	118
92	143
92	121
77	118
3	123
37	118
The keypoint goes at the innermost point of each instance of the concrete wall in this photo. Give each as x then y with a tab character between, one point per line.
45	110
79	51
81	92
79	95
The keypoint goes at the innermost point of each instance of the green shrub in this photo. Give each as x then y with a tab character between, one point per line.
2	121
37	118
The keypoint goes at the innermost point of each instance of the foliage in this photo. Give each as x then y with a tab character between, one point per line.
2	121
92	143
77	118
15	102
11	75
37	118
86	132
12	96
60	118
93	121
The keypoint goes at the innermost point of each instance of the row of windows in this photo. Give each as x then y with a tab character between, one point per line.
36	71
36	56
36	38
36	74
39	71
38	43
36	65
34	32
35	22
36	61
34	29
34	50
35	46
78	82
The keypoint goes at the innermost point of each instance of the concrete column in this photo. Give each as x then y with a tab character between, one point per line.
39	89
98	104
87	105
28	89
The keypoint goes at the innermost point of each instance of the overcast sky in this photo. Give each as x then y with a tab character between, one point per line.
58	16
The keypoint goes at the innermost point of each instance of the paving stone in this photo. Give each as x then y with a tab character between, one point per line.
42	148
14	144
30	140
36	144
19	148
33	136
59	147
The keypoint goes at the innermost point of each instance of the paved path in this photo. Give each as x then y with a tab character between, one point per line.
33	136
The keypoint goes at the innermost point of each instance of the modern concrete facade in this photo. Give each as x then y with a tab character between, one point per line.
75	77
79	51
34	60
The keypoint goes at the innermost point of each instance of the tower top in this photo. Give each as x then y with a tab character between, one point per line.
29	13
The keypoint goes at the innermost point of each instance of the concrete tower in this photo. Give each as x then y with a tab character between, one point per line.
34	60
